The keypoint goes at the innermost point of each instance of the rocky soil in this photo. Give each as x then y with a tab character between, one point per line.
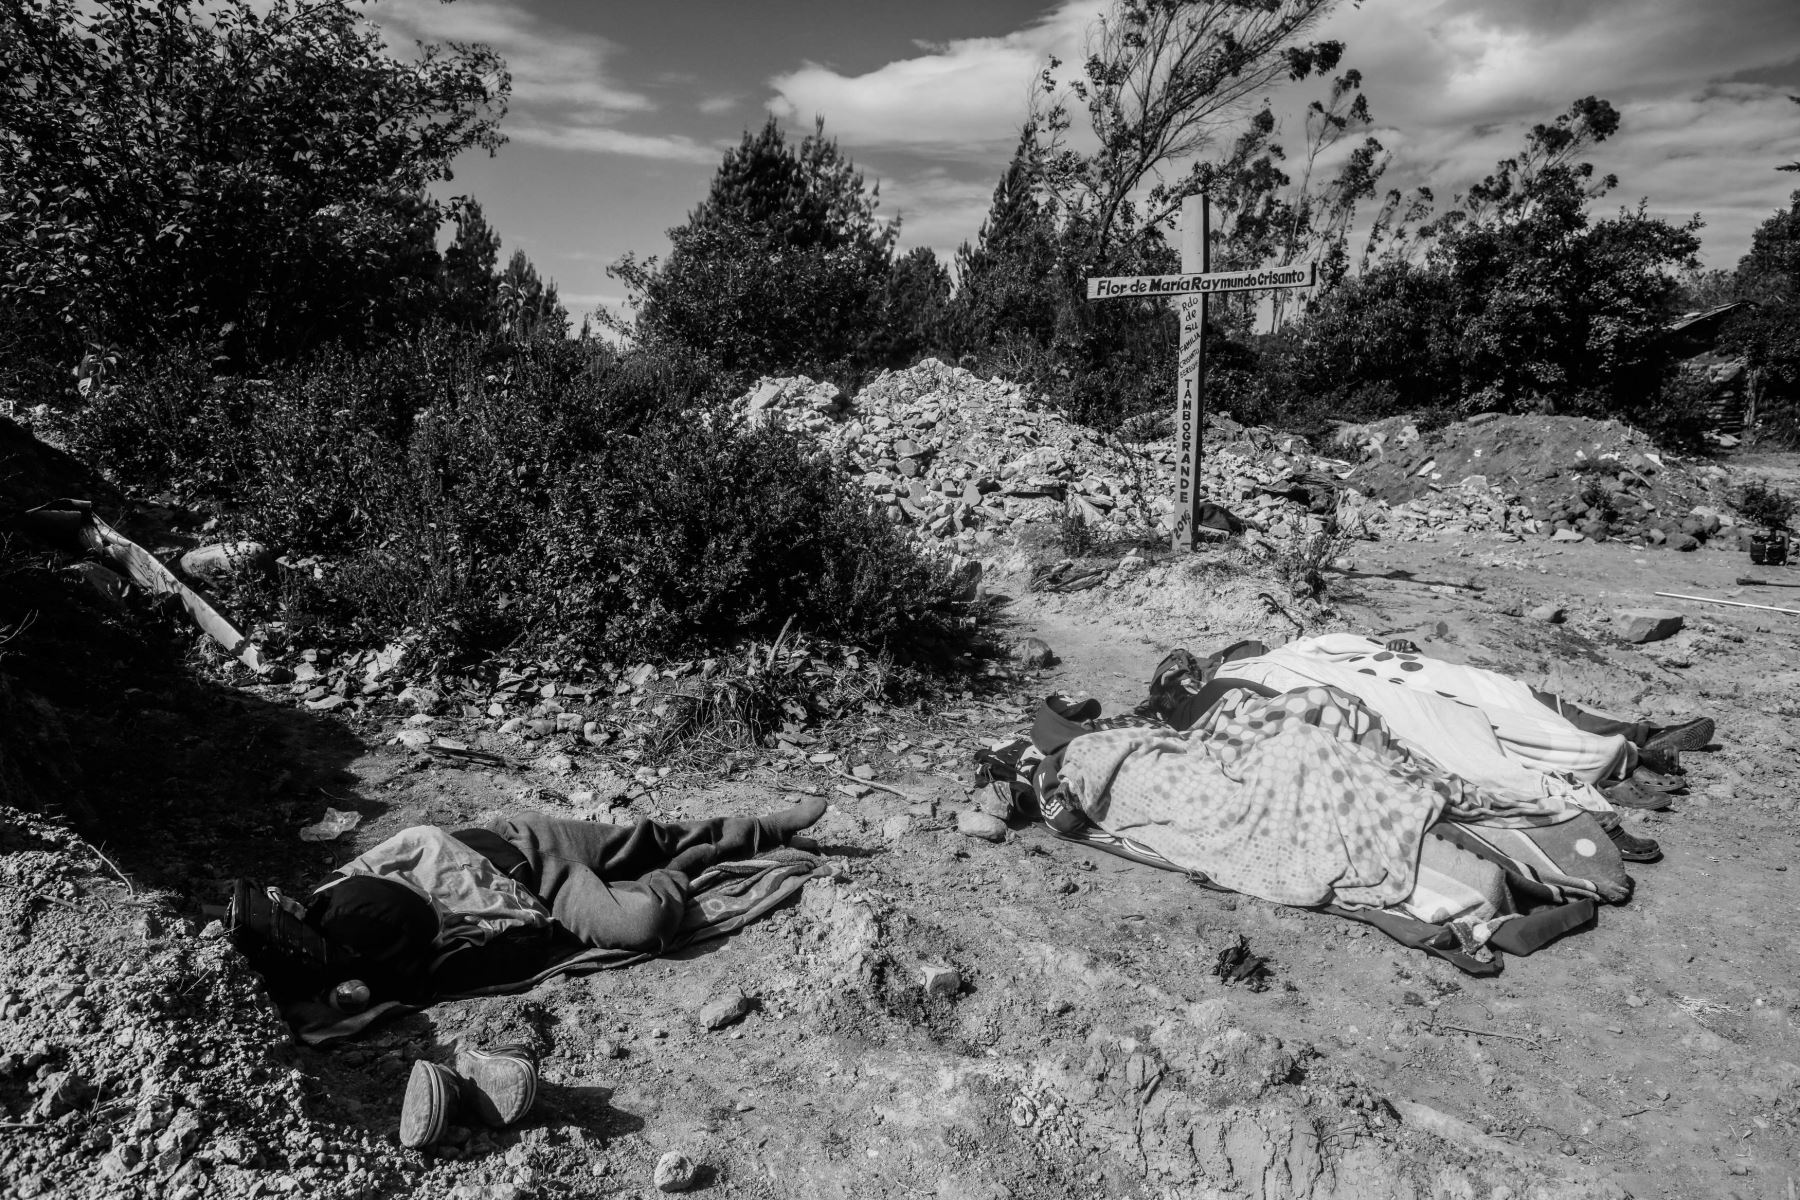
942	1014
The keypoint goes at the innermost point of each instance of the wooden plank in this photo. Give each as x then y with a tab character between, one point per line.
1199	283
1190	378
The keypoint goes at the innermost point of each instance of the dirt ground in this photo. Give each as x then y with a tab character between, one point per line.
1089	1051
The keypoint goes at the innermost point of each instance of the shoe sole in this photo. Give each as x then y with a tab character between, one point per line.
425	1113
1693	737
1645	801
501	1087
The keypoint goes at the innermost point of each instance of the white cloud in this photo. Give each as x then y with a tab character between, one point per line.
565	91
712	106
607	139
964	98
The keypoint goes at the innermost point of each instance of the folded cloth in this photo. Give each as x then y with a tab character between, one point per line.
727	897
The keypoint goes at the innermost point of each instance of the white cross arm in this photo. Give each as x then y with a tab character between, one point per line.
1210	283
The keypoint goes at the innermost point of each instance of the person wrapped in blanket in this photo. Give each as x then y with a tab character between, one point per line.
1326	774
430	913
1479	724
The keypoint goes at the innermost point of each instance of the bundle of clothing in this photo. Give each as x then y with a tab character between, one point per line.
1452	807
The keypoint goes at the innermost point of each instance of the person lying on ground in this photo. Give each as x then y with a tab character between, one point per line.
1480	725
429	912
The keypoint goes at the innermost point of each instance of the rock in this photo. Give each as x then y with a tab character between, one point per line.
1568	535
1684	541
413	739
1550	614
1034	654
1656	537
674	1173
515	725
555	764
863	771
61	1092
725	1010
219	563
940	980
965	579
897	826
980	825
1640	625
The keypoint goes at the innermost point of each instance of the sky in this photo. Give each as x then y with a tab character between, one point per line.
621	109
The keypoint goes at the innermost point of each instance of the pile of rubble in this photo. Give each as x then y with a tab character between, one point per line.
964	460
1568	477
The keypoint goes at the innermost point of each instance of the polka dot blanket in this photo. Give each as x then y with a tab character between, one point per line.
1302	798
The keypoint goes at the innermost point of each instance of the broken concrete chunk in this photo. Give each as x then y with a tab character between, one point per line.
1640	625
940	980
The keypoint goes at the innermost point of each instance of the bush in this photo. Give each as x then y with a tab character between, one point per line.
1765	505
552	494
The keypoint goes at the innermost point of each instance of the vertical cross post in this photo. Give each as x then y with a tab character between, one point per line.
1190	388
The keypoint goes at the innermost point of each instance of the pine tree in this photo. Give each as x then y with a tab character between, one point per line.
781	269
469	283
1007	282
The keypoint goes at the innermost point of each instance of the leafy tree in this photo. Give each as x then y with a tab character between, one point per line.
782	268
1162	80
1767	332
186	169
1522	300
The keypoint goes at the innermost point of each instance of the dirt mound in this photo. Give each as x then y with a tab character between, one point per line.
1600	477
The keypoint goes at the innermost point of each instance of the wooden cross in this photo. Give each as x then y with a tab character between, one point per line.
1191	287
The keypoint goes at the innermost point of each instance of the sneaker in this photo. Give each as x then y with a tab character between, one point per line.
431	1096
499	1084
1696	734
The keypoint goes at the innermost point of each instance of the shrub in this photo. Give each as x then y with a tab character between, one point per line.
546	494
1765	505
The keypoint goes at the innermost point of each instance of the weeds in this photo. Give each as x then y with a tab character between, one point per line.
1300	561
1076	536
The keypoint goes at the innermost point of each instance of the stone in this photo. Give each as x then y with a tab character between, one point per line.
1640	625
725	1010
1684	541
1568	535
980	825
221	562
897	826
939	979
1550	614
1034	654
413	739
675	1172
